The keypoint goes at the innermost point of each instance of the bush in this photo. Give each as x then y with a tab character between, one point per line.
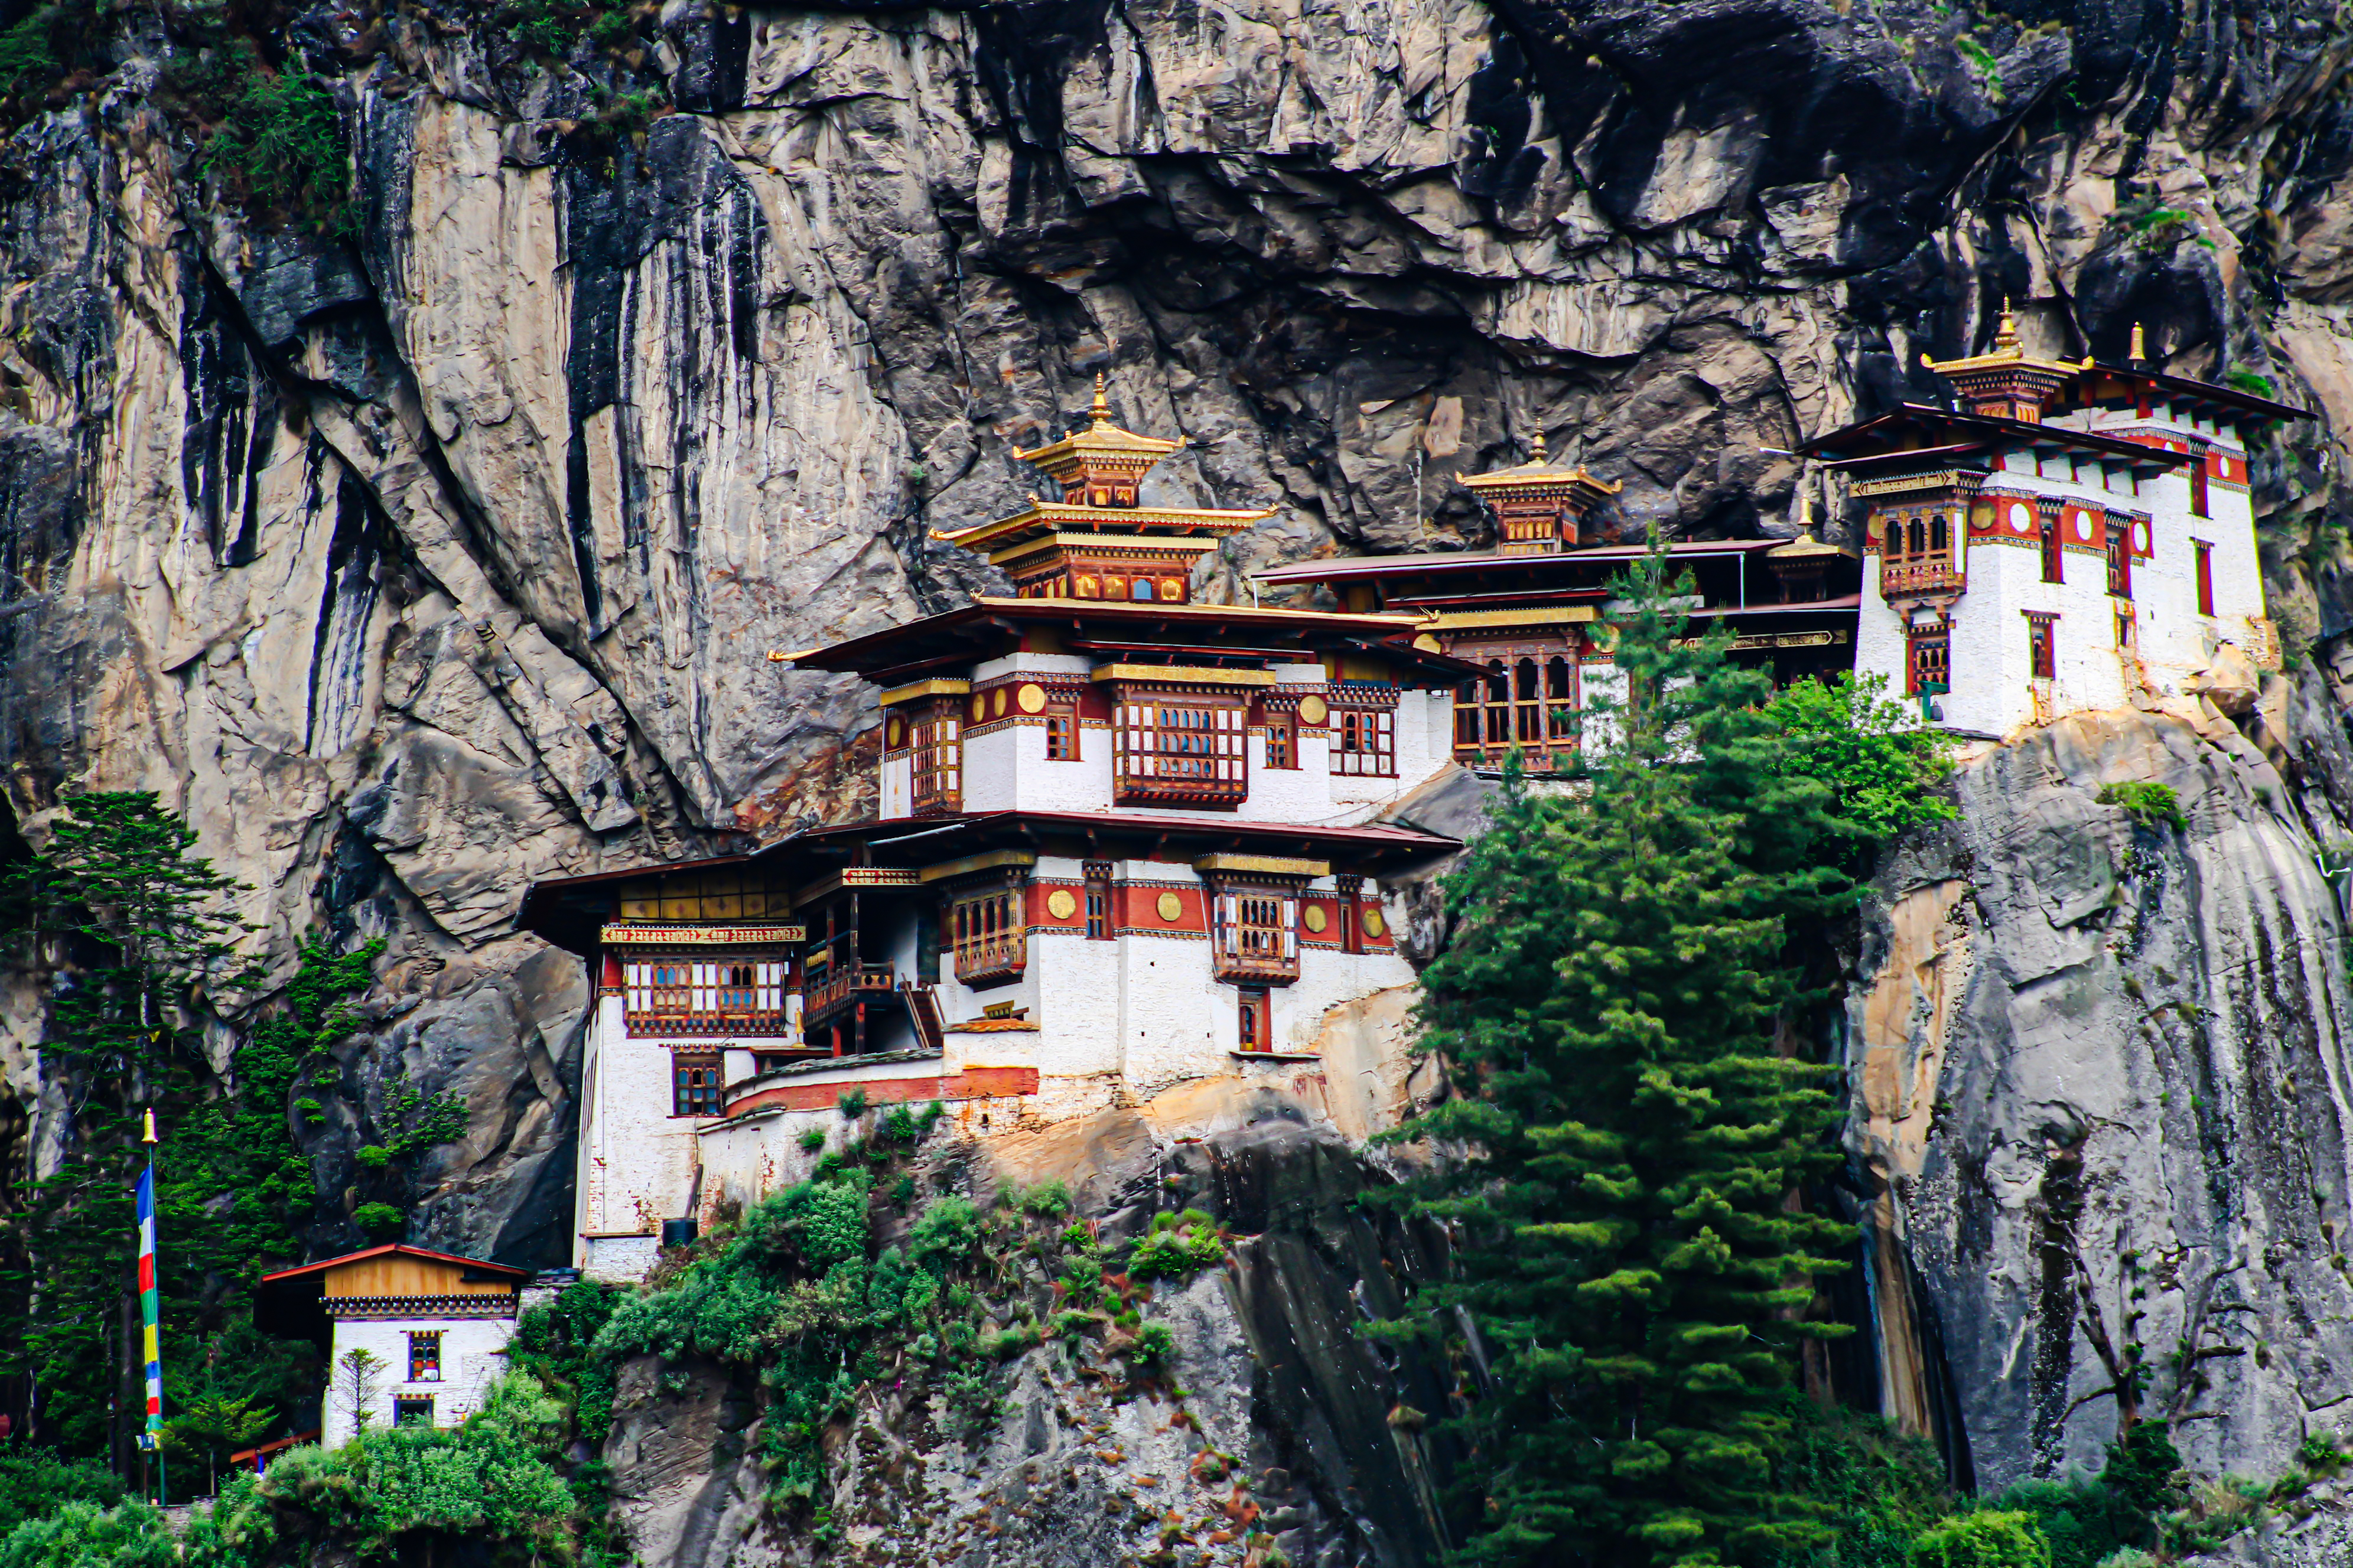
380	1220
83	1535
2148	803
2319	1451
812	1139
1882	764
1177	1246
1982	1541
374	1156
1047	1200
1154	1346
2252	381
947	1231
281	143
34	1481
1877	1489
852	1104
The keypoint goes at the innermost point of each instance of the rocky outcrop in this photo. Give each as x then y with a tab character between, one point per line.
2103	1098
1273	1421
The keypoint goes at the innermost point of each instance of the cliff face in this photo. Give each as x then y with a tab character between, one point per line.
425	559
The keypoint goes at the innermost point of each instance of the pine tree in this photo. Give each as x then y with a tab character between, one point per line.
1629	1137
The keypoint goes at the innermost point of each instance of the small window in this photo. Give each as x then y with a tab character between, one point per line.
424	1357
1143	589
1257	1031
2120	561
412	1410
1062	738
1366	742
695	1084
2124	631
939	761
1930	664
2041	650
1098	900
2205	576
2198	490
2055	558
1281	741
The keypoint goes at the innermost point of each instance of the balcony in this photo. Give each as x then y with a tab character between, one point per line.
1919	579
996	960
836	989
746	1023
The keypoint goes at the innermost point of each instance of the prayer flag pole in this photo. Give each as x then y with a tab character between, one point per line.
149	1313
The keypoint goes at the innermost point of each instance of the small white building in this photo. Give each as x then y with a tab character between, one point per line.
433	1327
2076	534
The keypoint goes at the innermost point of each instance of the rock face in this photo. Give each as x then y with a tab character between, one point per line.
426	557
2102	1100
1282	1426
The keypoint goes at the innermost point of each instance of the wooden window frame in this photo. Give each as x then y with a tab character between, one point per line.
689	1087
985	926
2204	555
1254	1021
2042	645
2120	561
1181	747
1098	906
1353	725
1282	742
2200	501
407	1408
423	1355
1928	649
2054	546
706	993
1254	932
1527	699
1061	735
936	780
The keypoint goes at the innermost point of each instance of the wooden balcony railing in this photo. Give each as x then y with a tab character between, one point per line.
1906	579
994	960
840	988
747	1022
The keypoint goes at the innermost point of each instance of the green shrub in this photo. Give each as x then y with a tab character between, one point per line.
1047	1200
852	1104
2252	381
82	1535
2127	1557
1154	1346
35	1481
1876	1489
2319	1451
949	1232
281	144
2148	803
374	1156
1883	765
1982	1541
379	1220
1177	1246
812	1139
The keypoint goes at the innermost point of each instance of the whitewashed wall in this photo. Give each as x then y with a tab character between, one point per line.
473	1356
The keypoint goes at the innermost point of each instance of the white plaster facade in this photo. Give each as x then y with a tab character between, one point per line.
2105	649
473	1356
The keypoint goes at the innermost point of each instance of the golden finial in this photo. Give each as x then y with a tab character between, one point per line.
2005	336
149	1135
1806	517
1536	446
1101	410
2139	345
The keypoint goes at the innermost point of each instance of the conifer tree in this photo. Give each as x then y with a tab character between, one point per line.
1628	1138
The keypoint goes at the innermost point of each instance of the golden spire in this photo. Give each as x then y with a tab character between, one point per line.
2139	345
1536	446
2005	336
1806	516
1101	410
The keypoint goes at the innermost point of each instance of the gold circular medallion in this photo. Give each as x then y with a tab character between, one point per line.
1032	698
1059	903
1171	908
980	705
1313	916
895	736
1312	710
1000	702
1372	922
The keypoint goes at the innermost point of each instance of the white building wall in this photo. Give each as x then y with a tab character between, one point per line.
635	1160
473	1356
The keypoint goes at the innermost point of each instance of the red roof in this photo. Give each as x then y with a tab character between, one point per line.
404	1251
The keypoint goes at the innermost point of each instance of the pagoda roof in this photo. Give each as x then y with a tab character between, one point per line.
991	627
1100	436
569	911
1041	518
1947	434
2248	405
1449	563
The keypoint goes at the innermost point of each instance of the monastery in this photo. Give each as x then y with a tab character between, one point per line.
1128	842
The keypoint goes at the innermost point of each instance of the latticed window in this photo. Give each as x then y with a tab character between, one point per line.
987	931
695	1084
424	1357
1180	751
1281	741
938	760
1254	933
1529	703
673	996
1061	737
1363	742
1098	900
2054	554
1929	663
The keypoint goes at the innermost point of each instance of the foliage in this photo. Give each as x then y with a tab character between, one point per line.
1982	1541
2150	804
1880	1489
358	1375
1047	1200
132	1534
380	1220
1631	1136
35	1481
948	1232
281	144
2252	381
852	1104
1177	1245
41	51
2086	1520
1882	764
214	1426
551	28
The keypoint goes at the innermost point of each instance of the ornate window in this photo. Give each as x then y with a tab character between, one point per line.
1177	750
1062	737
1281	741
678	995
694	1083
1363	742
1098	900
938	760
987	930
1529	701
1928	661
1254	933
2198	484
424	1357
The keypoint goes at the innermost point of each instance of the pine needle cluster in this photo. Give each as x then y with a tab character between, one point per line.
1634	1124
